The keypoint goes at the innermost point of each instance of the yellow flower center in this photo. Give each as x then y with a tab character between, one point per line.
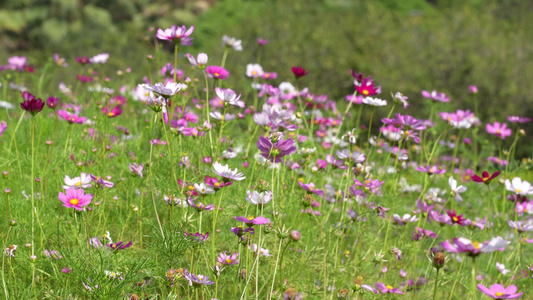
74	201
110	114
366	92
251	218
525	210
485	179
254	72
217	184
498	294
77	184
518	190
476	245
229	260
217	74
389	287
455	219
267	75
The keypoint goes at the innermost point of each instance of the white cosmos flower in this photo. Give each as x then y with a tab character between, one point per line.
229	96
374	101
518	186
218	116
258	198
456	190
99	58
83	181
254	70
166	90
501	268
203	189
226	173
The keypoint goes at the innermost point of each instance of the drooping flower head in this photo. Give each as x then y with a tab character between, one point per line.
178	35
275	151
200	62
137	169
232	43
434	95
31	104
76	199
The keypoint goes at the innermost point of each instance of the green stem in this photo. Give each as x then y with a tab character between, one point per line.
435	287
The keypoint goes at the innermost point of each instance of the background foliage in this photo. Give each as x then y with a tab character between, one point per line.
406	46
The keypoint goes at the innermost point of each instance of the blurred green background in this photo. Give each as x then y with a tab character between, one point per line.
406	45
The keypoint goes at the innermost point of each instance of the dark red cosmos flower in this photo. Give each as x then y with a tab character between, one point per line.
485	177
52	102
456	219
83	60
31	104
299	72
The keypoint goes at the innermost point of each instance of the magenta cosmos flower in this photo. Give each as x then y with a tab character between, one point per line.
216	72
498	291
71	118
119	246
275	151
178	35
472	248
298	72
52	102
485	178
75	198
499	130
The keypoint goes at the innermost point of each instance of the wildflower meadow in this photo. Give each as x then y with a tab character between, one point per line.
184	186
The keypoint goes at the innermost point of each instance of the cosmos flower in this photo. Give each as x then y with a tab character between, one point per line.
406	218
217	72
111	113
256	198
498	291
456	219
178	35
99	182
10	251
367	88
31	104
226	173
374	101
232	43
137	169
83	181
499	129
519	186
229	97
310	188
399	97
456	190
196	280
473	248
387	288
440	97
3	126
516	119
501	268
226	259
262	251
165	90
60	61
118	246
431	169
71	118
200	62
52	102
76	199
99	58
275	151
485	178
251	221
200	206
203	189
254	70
196	237
298	72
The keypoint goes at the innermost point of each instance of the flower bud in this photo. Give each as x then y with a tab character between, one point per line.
295	235
13	223
33	258
7	191
438	260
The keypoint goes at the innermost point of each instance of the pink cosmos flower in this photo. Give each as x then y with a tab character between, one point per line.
473	89
473	248
3	126
71	118
431	170
226	259
60	61
52	102
387	288
441	97
262	42
515	119
251	221
111	113
275	151
137	169
178	35
456	219
310	188
216	72
367	88
498	291
499	130
75	198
